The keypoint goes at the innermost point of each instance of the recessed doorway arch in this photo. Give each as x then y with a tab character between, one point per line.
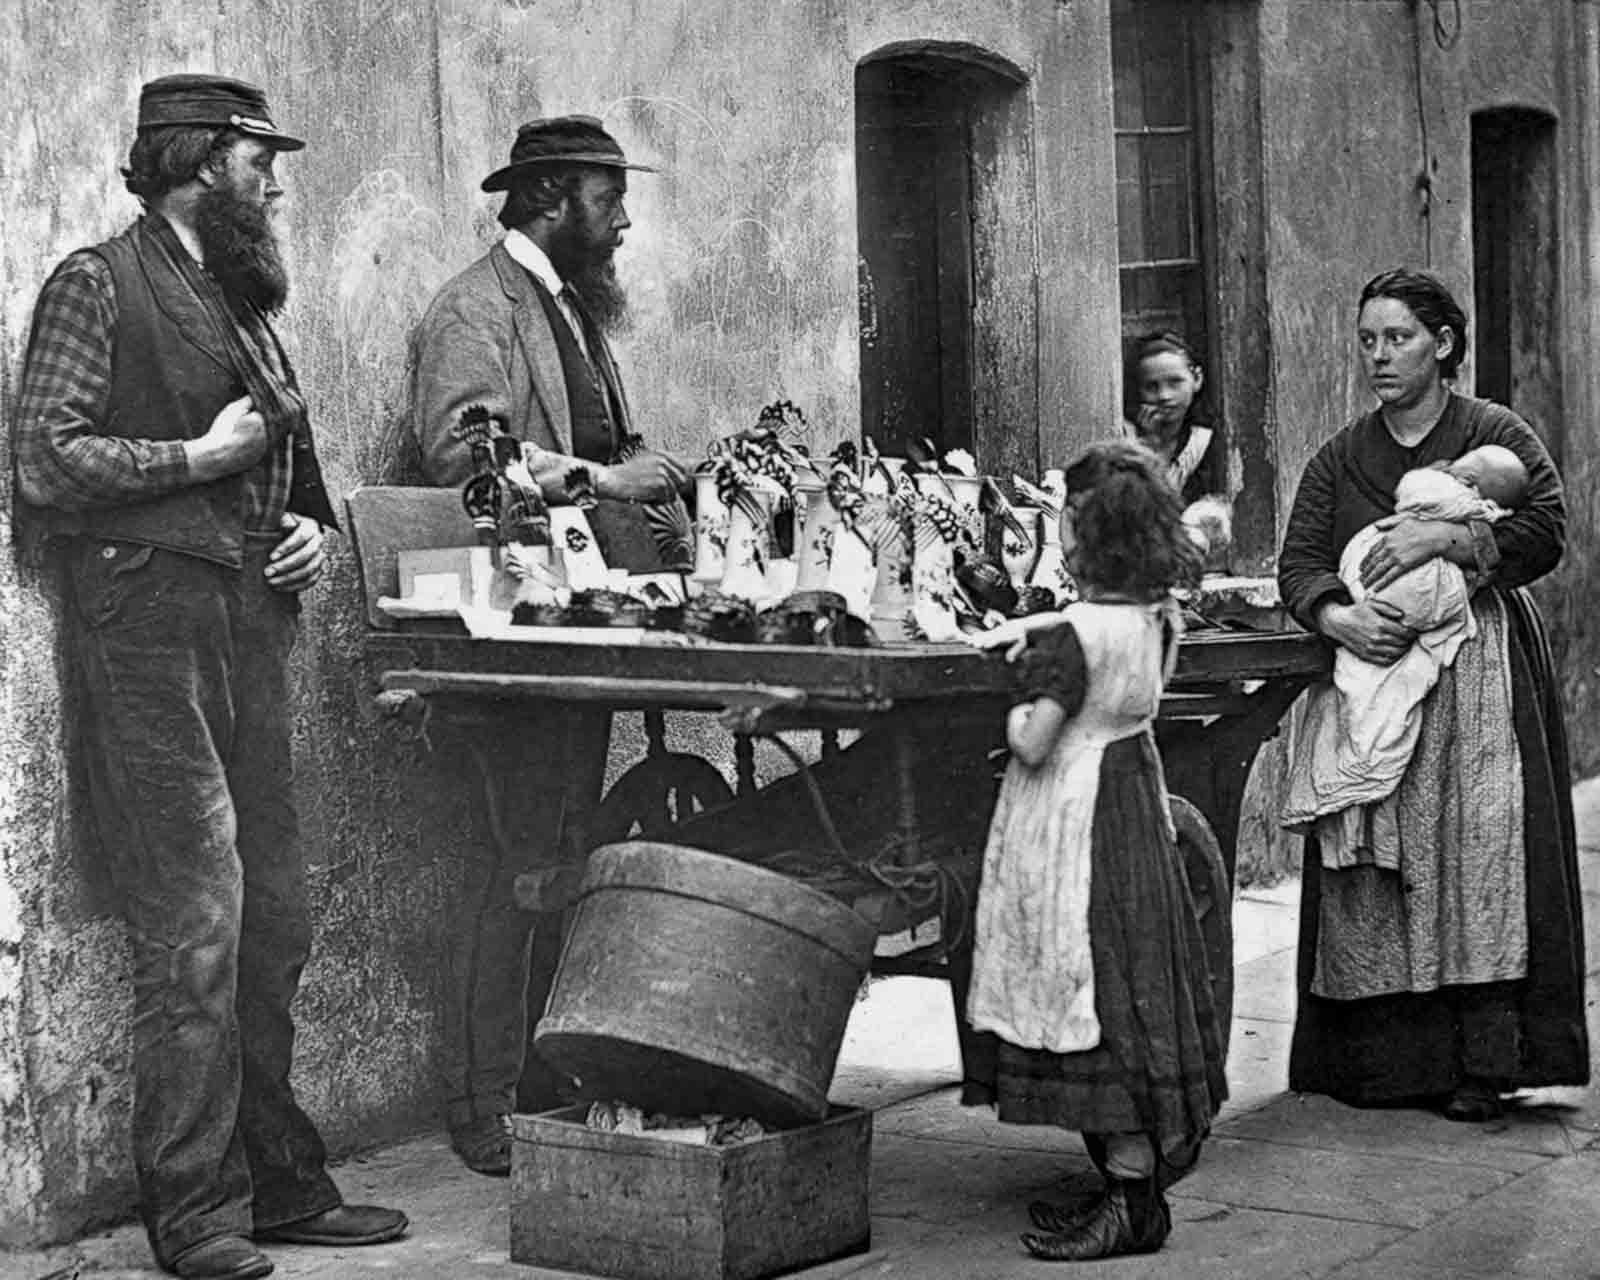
946	224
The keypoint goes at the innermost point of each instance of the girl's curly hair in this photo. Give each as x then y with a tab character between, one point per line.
1128	521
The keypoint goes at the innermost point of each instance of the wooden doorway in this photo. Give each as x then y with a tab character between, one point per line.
1516	266
944	221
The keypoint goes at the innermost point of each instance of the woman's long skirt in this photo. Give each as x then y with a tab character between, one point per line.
1413	1047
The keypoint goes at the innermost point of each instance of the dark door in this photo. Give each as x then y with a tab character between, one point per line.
914	226
1516	266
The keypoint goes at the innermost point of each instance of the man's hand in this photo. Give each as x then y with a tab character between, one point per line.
298	560
235	440
1406	543
645	477
1371	630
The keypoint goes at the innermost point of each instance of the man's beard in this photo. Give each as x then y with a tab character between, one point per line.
591	271
241	249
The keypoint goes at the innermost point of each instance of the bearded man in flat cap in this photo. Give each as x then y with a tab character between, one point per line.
525	332
162	440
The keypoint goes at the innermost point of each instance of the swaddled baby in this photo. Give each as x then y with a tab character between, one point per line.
1359	734
1482	484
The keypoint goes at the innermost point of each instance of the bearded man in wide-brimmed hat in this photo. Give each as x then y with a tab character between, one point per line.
525	332
161	439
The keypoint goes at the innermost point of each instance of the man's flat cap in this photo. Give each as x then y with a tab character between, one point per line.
211	102
560	140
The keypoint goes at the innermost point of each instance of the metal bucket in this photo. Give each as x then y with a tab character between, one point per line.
693	983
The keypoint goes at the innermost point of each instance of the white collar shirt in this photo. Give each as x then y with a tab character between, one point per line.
526	254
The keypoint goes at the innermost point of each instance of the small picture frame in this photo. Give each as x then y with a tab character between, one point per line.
445	577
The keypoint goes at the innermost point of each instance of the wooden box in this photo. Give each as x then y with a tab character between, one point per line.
644	1208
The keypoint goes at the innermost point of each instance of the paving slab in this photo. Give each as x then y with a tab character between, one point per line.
1264	988
1261	927
1289	1186
947	1182
908	1246
1210	1239
1575	1108
1258	1063
1521	1141
1591	925
120	1254
900	1042
1589	864
1541	1226
1209	1242
1285	893
458	1228
940	1117
1586	809
1349	1185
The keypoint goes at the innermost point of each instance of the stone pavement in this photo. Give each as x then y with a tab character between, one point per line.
1289	1186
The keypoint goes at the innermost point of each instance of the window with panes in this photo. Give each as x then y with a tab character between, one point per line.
1158	94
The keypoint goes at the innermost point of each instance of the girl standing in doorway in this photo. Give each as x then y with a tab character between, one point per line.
1169	416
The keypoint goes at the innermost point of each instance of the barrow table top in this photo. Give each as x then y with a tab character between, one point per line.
430	659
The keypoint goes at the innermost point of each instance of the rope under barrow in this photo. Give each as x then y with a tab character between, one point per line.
916	887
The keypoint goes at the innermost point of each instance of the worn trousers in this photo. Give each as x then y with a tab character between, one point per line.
185	731
539	770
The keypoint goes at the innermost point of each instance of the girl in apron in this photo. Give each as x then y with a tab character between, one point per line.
1089	966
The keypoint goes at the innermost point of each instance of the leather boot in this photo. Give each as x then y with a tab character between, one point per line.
1132	1218
484	1145
1060	1219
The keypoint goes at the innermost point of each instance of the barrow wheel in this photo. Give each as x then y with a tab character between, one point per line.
662	790
1212	892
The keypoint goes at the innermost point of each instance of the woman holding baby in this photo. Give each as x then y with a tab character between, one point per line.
1441	951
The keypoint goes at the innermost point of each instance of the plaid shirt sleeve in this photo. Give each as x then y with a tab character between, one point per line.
63	460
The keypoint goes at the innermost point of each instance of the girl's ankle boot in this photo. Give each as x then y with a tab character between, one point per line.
1132	1218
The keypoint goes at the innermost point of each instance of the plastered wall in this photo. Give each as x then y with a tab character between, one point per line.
742	270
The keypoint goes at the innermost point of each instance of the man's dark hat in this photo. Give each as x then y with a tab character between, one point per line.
211	102
560	140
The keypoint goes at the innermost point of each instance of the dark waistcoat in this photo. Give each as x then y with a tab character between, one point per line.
593	419
170	376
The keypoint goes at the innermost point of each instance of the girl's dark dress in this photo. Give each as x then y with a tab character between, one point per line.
1158	1068
1531	1032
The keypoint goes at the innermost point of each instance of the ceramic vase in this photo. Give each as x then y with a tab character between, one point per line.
1052	571
710	530
481	570
880	481
782	577
748	548
933	584
819	530
1051	568
852	571
890	608
1019	552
